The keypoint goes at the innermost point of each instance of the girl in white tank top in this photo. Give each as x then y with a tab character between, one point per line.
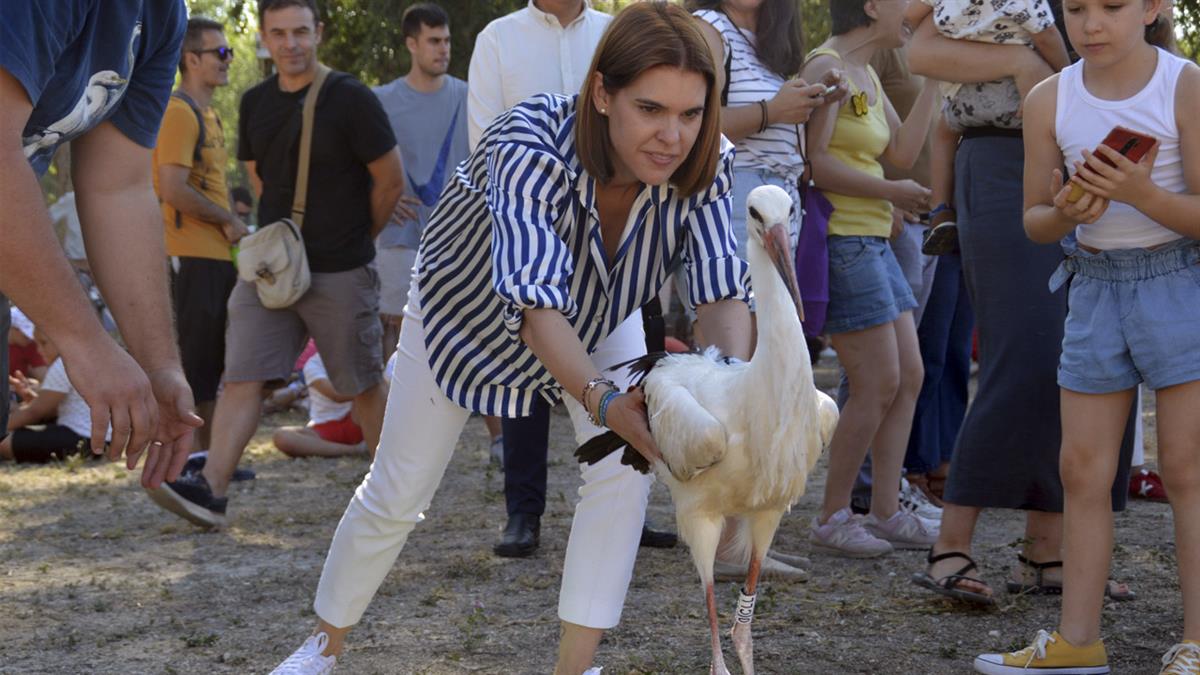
1134	304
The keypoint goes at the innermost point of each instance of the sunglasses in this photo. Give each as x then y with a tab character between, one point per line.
223	53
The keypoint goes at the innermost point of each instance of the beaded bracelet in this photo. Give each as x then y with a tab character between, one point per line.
601	417
592	384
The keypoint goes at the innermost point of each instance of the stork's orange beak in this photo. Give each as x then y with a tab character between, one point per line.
779	247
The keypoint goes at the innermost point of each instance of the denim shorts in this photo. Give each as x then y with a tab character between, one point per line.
1134	316
867	288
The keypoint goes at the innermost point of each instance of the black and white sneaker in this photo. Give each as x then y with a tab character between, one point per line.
192	499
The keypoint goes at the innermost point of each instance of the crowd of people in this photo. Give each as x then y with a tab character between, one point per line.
494	246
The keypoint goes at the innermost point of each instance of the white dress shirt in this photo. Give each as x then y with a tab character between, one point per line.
525	53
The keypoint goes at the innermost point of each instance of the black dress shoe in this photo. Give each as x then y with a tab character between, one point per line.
521	536
656	539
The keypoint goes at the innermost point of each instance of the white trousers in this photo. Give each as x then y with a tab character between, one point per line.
421	427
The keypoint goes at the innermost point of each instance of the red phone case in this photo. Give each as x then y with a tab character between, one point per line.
1132	144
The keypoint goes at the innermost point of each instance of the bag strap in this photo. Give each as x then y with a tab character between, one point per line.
306	132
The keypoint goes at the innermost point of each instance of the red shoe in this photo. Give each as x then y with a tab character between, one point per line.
1146	484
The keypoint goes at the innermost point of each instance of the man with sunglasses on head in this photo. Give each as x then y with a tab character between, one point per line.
189	176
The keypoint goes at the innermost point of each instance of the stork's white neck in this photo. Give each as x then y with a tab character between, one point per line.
780	351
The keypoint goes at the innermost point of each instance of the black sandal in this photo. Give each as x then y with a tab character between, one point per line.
948	585
1040	587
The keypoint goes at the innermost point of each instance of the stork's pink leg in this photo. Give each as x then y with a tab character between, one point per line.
718	660
743	641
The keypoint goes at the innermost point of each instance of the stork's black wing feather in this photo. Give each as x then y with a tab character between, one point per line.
607	443
642	365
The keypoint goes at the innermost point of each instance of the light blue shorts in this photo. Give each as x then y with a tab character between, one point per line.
867	288
1133	316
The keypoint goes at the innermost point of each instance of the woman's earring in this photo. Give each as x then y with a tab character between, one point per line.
604	111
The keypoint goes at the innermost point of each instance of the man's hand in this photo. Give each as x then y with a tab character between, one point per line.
118	393
234	230
405	208
177	420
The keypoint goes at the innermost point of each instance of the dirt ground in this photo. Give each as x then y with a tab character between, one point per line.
96	579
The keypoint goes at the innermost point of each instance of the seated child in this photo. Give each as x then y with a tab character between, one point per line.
54	422
331	431
23	357
990	104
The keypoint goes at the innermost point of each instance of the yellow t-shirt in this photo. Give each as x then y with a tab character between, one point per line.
187	236
858	141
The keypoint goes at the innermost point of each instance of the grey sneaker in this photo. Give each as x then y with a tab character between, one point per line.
307	660
844	535
904	529
771	569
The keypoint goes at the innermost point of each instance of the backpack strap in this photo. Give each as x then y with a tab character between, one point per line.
200	138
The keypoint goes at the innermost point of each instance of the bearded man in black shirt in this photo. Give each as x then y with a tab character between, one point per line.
354	181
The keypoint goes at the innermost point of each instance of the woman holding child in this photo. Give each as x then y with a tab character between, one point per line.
1007	453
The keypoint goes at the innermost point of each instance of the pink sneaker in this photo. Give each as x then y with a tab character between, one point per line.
904	529
843	534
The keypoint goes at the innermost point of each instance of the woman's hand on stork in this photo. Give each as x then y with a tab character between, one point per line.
626	415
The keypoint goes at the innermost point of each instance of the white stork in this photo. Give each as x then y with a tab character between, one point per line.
738	439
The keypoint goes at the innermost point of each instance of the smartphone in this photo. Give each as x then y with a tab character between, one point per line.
1131	144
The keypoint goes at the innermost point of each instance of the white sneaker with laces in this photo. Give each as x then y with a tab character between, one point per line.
912	499
1182	659
903	530
307	660
843	534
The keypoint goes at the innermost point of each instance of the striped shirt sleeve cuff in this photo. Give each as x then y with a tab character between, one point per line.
521	298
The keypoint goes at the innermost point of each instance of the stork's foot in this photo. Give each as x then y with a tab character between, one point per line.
743	641
718	668
743	645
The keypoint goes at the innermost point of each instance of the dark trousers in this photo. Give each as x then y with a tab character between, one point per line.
945	342
527	439
200	291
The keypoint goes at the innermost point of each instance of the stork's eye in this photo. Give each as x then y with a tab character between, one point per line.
754	214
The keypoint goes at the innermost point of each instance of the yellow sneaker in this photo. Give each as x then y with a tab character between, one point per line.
1183	659
1049	654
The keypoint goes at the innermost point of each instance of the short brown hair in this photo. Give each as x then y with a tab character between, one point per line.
646	35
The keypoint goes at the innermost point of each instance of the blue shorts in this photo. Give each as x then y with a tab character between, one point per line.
867	288
1134	316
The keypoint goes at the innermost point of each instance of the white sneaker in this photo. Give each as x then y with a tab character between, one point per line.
307	660
843	534
903	530
914	500
592	671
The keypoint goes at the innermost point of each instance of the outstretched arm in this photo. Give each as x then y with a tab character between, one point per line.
46	289
556	345
122	228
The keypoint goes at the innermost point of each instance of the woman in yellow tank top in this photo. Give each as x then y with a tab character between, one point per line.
870	303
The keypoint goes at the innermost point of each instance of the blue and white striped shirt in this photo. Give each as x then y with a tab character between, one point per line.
517	229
